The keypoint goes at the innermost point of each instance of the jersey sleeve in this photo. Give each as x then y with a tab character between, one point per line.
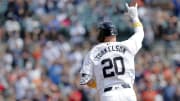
134	43
86	73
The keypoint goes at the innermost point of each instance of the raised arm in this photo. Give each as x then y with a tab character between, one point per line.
136	39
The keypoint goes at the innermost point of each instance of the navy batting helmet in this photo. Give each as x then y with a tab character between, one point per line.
106	28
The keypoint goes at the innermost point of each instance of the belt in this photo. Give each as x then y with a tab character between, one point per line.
116	87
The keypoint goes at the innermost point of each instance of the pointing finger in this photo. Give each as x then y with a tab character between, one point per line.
127	6
136	5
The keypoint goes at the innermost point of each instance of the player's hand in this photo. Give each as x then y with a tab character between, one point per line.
132	11
91	84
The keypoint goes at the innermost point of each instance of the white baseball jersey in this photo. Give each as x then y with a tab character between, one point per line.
112	63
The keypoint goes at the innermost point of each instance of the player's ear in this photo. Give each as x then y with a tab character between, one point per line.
100	37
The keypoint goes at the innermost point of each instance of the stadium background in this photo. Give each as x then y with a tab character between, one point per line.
43	42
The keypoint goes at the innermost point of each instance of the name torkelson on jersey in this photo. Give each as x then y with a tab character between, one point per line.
110	49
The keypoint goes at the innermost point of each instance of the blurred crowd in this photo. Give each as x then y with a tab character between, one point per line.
43	43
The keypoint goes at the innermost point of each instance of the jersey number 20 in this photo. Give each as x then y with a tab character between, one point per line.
113	63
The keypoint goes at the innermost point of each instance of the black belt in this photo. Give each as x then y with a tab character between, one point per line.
122	85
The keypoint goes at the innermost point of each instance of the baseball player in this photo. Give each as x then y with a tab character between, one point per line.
109	66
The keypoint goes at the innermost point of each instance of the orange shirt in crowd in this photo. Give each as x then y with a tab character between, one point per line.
148	95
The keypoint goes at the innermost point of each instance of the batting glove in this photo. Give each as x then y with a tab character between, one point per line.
132	11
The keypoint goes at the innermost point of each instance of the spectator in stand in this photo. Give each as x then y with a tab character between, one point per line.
176	9
170	33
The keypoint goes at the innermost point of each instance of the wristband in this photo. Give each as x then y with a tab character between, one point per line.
137	24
